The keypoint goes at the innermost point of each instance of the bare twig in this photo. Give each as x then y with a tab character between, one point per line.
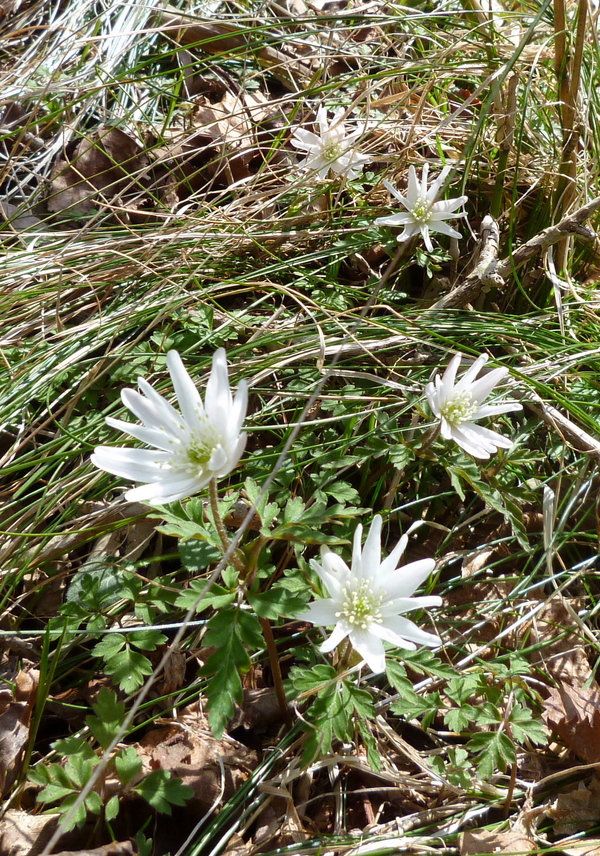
474	284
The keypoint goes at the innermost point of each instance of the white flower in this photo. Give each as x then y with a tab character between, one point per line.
332	149
458	405
423	214
194	446
367	601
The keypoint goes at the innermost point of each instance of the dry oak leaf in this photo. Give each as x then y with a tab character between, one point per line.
106	164
14	725
577	810
560	653
24	834
214	769
482	841
574	714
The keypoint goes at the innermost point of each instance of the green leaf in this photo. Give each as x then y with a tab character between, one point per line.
162	791
74	746
54	793
79	769
129	669
275	602
342	491
109	646
197	555
128	764
112	808
196	597
109	714
459	718
94	803
78	818
223	668
303	679
147	640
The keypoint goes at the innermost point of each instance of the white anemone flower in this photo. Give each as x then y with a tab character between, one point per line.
191	447
331	149
367	601
423	213
459	404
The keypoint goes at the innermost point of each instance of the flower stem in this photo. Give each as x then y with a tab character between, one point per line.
276	670
234	555
428	439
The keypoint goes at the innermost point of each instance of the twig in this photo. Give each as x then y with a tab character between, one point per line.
568	430
466	291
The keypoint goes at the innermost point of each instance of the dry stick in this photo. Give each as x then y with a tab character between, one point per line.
484	277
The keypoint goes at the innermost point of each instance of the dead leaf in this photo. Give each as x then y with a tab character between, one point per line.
25	834
14	726
482	841
114	848
560	654
214	769
101	167
574	714
577	810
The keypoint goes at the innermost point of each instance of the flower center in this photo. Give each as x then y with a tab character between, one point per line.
460	408
332	152
360	606
421	210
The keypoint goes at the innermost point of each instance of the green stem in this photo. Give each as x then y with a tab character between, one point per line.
234	555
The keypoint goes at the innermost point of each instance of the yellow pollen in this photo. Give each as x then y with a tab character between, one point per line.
421	210
460	408
361	605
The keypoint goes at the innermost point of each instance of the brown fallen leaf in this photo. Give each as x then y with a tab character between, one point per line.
114	848
482	841
574	714
214	769
577	810
23	834
106	164
14	726
560	654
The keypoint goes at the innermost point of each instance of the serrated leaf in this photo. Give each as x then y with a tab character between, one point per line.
162	791
147	640
79	769
129	668
74	746
109	714
197	598
197	555
109	646
342	491
128	764
305	679
275	602
112	808
94	803
54	793
224	687
459	718
78	818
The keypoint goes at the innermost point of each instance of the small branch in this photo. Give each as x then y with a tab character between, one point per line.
571	433
233	554
484	276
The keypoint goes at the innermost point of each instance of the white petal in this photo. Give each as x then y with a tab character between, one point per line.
340	631
444	207
468	378
186	392
481	388
400	219
407	579
370	649
321	612
414	188
406	604
397	194
371	554
426	238
390	563
444	229
167	491
434	191
305	140
134	464
404	633
153	410
151	436
495	409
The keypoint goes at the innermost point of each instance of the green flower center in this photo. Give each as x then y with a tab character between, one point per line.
333	152
421	210
360	606
459	409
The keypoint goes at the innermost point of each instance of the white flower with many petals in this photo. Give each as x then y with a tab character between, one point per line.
332	148
459	405
366	602
423	213
193	446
